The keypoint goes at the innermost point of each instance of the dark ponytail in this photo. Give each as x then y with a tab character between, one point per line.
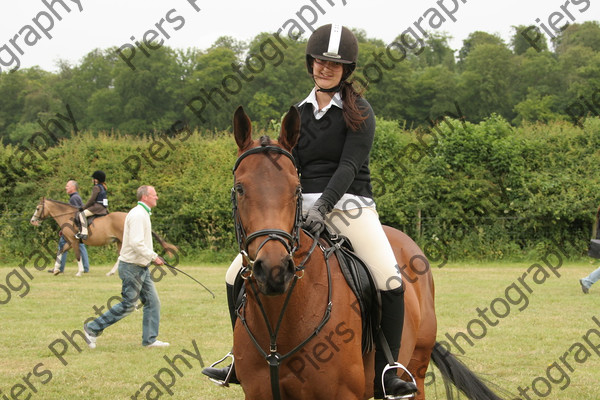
353	114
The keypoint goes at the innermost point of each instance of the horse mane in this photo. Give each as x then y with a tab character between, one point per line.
61	202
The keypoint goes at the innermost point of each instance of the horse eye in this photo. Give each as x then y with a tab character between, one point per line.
239	189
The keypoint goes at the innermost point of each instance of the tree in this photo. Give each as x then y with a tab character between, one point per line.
536	108
528	37
12	88
539	74
76	85
204	89
474	40
435	93
391	89
228	42
284	81
436	51
147	94
586	35
485	86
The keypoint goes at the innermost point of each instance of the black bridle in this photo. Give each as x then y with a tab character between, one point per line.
289	240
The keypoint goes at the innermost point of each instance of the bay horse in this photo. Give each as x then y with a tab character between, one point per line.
296	312
102	231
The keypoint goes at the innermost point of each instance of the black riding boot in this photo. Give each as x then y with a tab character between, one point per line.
392	321
220	374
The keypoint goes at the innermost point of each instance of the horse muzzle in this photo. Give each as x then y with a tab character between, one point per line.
273	277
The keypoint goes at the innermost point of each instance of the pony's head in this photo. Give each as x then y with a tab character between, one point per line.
266	197
38	214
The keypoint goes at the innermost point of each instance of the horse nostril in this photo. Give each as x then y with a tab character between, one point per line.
258	269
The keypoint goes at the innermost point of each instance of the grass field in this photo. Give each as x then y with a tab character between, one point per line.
537	338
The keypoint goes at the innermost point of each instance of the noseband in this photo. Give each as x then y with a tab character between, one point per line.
289	240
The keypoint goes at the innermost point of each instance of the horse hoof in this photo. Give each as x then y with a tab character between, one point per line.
78	274
56	272
110	273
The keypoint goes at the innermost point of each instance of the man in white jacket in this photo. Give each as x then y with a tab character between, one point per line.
136	256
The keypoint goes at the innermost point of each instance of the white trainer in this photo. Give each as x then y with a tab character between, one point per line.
157	343
89	338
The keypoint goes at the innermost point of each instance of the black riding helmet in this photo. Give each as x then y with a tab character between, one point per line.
333	43
101	176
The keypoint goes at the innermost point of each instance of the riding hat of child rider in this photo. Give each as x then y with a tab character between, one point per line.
100	176
334	43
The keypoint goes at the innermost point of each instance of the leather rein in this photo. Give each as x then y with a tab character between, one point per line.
291	242
41	217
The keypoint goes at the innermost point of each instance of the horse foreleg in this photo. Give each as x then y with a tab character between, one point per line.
79	261
59	254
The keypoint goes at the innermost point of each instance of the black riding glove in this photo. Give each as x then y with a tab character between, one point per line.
315	219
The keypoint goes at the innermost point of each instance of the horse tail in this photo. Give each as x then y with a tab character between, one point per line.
456	372
169	248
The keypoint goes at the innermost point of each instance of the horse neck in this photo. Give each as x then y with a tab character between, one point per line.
62	213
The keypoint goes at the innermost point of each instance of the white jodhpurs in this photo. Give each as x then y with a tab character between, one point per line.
362	227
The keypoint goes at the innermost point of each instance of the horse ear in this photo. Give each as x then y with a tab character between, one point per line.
290	129
242	128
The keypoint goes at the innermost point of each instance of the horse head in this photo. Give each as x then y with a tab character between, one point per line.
266	197
38	214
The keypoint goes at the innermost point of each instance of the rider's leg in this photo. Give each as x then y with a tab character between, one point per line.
364	230
220	374
83	220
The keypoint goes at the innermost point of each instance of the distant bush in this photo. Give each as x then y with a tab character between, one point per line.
485	191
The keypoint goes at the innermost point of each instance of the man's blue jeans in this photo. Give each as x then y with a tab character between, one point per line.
137	284
82	250
592	278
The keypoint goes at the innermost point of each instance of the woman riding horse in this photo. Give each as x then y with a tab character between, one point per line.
96	205
332	154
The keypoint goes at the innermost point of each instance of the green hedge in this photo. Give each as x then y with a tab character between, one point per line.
485	191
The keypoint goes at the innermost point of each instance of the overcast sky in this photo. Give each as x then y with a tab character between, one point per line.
106	23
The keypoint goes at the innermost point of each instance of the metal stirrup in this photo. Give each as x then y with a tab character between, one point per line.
224	383
397	365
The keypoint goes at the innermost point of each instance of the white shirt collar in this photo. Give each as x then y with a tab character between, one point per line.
336	100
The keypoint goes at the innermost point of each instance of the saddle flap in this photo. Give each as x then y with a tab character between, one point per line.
90	220
361	282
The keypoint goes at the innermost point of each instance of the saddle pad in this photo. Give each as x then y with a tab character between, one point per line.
90	220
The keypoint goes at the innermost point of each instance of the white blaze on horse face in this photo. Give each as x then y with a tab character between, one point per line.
35	219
